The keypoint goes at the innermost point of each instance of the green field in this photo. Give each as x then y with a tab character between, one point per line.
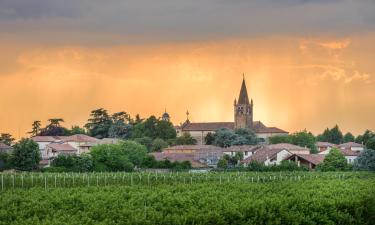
183	198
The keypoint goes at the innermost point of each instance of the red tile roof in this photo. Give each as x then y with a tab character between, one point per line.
312	158
241	148
78	138
61	147
347	152
44	138
324	144
4	147
262	154
287	146
350	144
194	147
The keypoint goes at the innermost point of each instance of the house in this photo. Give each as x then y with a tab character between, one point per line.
191	148
294	149
322	146
352	146
81	142
42	142
247	150
268	156
308	160
5	148
55	149
243	118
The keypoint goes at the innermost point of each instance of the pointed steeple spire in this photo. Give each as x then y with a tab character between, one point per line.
243	99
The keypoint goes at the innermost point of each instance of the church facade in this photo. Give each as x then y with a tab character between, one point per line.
243	118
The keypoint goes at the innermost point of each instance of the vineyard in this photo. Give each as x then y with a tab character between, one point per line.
188	198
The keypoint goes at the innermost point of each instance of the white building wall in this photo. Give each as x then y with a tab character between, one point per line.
350	159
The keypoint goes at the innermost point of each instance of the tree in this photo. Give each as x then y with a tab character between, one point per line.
4	161
119	130
244	137
158	144
334	161
54	128
348	137
279	139
365	137
73	163
304	139
6	139
185	139
222	163
209	139
145	141
224	137
366	160
370	144
35	128
25	155
76	130
134	151
110	157
99	123
333	135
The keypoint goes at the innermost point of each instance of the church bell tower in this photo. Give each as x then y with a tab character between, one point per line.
243	109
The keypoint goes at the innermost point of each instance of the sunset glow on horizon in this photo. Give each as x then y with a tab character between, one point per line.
298	80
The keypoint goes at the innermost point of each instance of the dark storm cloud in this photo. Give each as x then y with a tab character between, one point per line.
174	20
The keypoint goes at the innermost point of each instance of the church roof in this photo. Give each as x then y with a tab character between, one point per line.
259	127
244	98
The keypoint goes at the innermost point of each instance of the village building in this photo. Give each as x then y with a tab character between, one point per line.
346	150
246	150
243	118
55	149
323	146
308	160
5	148
352	146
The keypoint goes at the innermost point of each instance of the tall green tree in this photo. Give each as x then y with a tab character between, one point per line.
35	128
6	138
25	155
363	138
333	135
76	130
224	138
304	139
99	123
209	139
349	137
159	144
244	137
279	139
54	128
370	144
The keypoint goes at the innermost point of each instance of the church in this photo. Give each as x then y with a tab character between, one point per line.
243	118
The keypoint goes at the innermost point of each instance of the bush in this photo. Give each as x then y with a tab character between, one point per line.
334	161
4	161
365	161
25	155
158	144
73	163
284	166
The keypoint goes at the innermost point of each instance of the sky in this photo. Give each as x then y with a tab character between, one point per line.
308	64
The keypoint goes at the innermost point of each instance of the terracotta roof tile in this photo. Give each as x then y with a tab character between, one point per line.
350	144
61	147
312	158
287	146
4	147
324	144
44	138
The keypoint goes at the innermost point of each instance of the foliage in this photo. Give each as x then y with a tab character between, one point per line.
334	161
304	139
333	135
6	139
119	130
223	163
366	160
158	144
76	130
230	200
36	126
118	157
99	123
370	144
279	139
349	137
110	157
209	139
185	139
365	137
54	128
73	163
25	155
224	137
154	128
4	161
145	141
